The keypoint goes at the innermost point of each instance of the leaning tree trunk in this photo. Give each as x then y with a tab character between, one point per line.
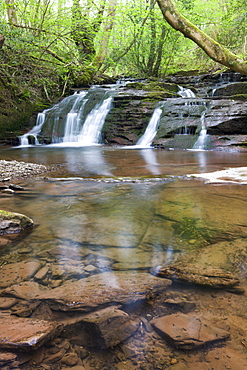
213	49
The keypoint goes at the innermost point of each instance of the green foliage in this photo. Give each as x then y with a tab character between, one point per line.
62	37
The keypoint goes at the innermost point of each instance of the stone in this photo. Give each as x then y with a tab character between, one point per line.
12	223
41	274
26	334
188	274
189	331
70	359
7	357
54	357
102	329
6	303
14	273
88	293
226	117
182	304
90	268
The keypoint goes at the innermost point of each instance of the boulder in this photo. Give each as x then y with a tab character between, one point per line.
188	332
102	328
13	223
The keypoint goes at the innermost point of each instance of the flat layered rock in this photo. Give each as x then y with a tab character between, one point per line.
14	273
210	277
26	334
188	331
121	287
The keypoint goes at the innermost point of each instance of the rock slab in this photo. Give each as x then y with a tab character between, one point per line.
26	334
103	328
94	291
188	332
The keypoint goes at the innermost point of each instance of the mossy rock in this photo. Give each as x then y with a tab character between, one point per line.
242	97
159	95
14	223
154	86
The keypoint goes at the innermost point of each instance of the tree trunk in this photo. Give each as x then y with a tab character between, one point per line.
12	17
107	28
213	49
1	41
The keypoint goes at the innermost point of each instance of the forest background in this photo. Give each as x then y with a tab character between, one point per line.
49	46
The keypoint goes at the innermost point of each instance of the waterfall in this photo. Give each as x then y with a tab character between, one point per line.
72	124
185	93
32	134
76	120
91	130
201	142
146	140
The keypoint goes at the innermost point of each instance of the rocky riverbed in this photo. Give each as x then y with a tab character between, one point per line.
63	309
10	170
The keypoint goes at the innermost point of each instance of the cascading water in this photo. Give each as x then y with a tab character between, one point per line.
201	142
32	134
76	120
91	130
146	140
72	124
185	93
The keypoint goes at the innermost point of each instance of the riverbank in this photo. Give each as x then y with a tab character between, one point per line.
10	170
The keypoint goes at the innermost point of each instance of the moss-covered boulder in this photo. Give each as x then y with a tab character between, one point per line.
13	223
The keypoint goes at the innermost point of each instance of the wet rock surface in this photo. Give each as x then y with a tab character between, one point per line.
14	223
220	102
26	334
188	331
208	277
88	293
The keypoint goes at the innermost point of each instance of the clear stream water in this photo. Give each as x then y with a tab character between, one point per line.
138	224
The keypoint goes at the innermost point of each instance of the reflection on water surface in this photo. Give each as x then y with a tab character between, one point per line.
135	225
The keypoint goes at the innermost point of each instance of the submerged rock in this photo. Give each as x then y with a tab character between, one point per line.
14	273
102	328
13	223
188	332
209	277
26	334
96	290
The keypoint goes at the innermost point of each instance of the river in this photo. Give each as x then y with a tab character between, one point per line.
130	209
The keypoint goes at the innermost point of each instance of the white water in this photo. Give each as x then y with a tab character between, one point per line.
34	131
200	144
70	128
185	93
92	127
72	124
146	140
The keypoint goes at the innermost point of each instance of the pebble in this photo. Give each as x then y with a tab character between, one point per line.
16	169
